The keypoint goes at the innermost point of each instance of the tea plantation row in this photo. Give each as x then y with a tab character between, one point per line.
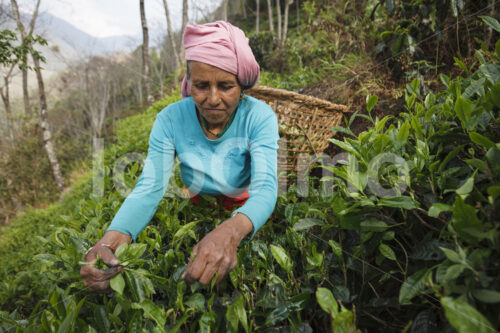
412	247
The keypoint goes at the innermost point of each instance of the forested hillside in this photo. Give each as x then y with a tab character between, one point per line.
397	230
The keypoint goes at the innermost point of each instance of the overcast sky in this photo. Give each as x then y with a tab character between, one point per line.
103	18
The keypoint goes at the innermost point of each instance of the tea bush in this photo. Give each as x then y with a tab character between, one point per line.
400	235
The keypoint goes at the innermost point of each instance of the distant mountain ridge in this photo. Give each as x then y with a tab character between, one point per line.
66	44
83	43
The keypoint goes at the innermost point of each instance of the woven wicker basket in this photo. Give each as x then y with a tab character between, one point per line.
305	123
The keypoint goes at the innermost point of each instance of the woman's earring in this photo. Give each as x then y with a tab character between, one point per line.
242	95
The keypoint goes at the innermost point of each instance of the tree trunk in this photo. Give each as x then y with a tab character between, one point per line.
184	24
26	98
297	7
158	71
489	29
171	35
47	135
24	70
285	23
44	123
5	94
145	54
278	8
257	16
244	8
140	96
270	14
224	10
184	15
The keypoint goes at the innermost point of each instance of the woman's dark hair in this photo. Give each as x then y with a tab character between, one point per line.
188	72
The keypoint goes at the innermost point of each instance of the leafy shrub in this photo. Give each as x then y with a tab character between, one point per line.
263	44
24	168
441	235
402	235
430	32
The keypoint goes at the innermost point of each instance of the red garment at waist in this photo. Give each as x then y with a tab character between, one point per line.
228	203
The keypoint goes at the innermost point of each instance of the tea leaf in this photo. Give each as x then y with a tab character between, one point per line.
460	64
282	257
117	283
387	252
373	224
121	250
206	322
451	255
371	100
467	187
135	324
404	131
454	272
493	157
327	301
402	201
487	296
495	89
494	191
136	250
437	208
481	140
463	109
152	311
236	314
186	229
102	318
428	251
424	322
464	318
335	248
412	286
476	87
196	301
491	72
304	224
277	315
491	22
464	217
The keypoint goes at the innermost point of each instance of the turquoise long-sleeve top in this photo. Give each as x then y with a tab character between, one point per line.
244	157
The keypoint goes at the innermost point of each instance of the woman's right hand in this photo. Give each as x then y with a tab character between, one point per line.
96	279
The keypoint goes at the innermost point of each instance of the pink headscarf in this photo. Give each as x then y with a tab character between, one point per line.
222	45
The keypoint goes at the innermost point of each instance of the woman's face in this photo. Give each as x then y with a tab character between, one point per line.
216	92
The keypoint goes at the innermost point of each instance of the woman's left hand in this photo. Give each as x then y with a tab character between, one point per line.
217	251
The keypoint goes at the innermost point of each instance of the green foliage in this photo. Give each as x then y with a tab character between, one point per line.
263	44
327	301
320	48
9	52
401	234
13	54
449	143
464	317
417	36
343	321
491	22
23	251
24	170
